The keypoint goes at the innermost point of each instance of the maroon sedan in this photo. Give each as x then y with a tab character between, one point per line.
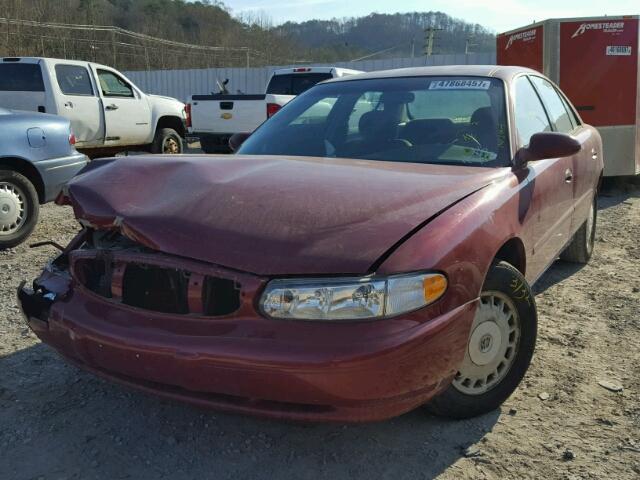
368	250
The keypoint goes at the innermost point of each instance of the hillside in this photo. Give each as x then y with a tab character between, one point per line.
377	32
247	39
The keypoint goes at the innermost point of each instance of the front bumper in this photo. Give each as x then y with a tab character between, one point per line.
244	363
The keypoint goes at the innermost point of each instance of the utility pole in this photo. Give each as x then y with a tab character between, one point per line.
468	45
429	38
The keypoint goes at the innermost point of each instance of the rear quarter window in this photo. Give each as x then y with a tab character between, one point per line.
21	77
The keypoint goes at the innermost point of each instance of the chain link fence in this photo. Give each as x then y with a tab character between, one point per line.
119	48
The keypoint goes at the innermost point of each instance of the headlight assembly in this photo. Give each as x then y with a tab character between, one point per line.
351	298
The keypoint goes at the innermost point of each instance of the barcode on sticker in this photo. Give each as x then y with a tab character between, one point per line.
618	50
460	85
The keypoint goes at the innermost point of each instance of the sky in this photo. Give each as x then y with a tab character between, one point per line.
498	15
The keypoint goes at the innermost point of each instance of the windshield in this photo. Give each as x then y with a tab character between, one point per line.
442	120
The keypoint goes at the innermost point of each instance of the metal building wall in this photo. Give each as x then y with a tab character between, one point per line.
182	83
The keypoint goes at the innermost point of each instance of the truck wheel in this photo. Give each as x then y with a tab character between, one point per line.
19	208
581	247
499	349
166	141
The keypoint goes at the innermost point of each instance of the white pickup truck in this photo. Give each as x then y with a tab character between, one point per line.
215	118
108	113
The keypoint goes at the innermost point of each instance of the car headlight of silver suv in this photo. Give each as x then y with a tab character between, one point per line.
351	298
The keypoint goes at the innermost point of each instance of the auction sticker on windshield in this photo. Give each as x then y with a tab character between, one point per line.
460	85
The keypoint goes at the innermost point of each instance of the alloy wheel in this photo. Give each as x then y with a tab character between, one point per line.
170	145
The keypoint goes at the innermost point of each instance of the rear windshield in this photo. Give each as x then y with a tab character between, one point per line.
21	77
294	83
442	120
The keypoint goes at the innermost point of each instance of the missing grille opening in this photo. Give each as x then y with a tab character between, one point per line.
159	289
220	296
153	288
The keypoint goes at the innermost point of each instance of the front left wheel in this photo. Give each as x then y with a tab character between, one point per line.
499	348
19	208
167	141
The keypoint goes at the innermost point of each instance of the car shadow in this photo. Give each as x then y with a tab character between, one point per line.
557	272
81	426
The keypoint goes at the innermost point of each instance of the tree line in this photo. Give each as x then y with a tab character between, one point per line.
240	40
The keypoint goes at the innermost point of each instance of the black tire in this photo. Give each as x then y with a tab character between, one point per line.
580	249
167	141
509	283
15	186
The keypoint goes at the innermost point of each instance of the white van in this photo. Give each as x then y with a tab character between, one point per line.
108	113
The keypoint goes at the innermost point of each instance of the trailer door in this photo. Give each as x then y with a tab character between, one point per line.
599	67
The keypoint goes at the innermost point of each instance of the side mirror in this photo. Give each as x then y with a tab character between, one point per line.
236	140
547	145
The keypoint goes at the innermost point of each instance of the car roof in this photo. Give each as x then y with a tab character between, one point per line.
506	73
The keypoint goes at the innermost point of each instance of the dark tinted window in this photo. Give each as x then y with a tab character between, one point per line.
74	80
440	120
113	86
294	83
21	77
530	116
555	108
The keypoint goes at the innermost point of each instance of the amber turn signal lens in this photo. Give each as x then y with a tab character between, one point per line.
434	287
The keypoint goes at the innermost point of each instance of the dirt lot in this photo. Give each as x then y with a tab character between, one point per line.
58	422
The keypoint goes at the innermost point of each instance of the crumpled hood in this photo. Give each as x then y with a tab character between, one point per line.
269	215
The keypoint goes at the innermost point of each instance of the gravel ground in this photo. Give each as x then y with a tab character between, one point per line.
58	422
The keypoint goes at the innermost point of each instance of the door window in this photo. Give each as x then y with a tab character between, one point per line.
555	108
114	86
73	80
530	116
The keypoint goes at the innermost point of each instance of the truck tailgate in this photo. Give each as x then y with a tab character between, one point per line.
227	113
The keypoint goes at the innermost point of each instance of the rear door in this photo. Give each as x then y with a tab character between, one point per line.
127	114
582	164
599	69
78	101
551	180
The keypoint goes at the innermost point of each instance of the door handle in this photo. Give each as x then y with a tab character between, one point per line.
594	154
68	105
568	175
113	106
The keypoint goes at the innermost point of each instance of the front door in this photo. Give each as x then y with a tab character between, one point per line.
551	182
127	114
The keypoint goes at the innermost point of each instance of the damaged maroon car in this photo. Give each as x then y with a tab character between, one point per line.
370	249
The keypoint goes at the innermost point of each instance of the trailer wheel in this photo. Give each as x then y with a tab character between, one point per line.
19	208
167	141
